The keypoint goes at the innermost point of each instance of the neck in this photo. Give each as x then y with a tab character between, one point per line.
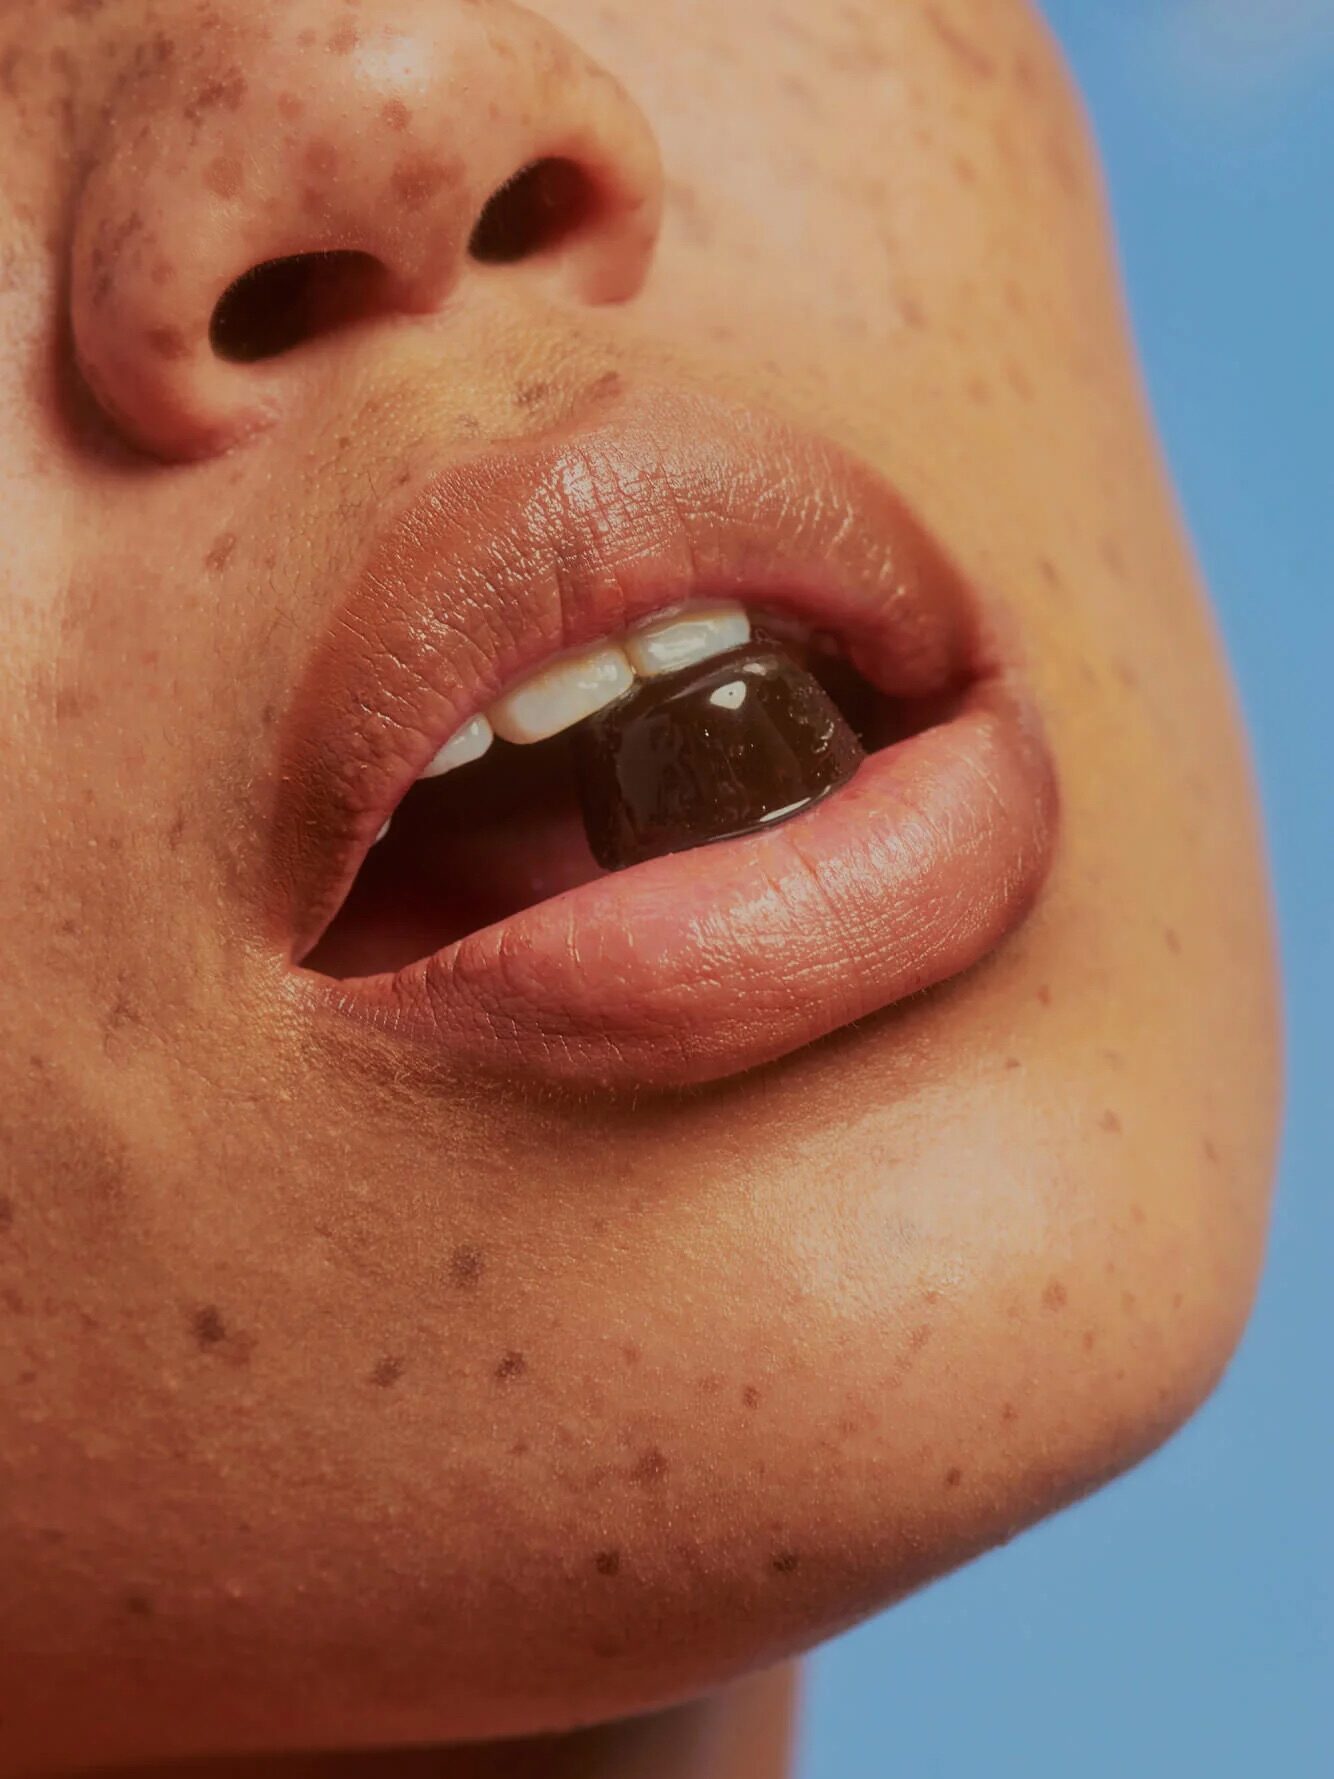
744	1732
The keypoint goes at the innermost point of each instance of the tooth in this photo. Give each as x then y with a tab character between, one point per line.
562	693
666	644
383	831
468	744
729	746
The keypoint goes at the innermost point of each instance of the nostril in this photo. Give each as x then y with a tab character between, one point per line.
284	303
542	205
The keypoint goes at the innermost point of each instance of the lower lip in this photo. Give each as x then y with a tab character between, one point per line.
700	965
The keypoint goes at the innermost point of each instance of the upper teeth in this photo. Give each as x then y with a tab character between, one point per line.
563	692
468	743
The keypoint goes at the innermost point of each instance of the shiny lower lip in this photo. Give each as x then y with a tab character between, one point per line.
698	966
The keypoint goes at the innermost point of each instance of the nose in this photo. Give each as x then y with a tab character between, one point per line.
299	169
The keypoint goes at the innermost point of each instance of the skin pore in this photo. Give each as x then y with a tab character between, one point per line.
349	1400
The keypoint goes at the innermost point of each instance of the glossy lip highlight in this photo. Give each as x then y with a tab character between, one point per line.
696	966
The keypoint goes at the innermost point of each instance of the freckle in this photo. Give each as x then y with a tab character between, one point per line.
6	1215
965	169
9	62
979	391
388	1371
466	1266
1044	995
1025	75
1110	1122
168	342
1138	1214
1054	1295
1172	939
512	1365
1012	1062
290	107
1129	1302
1127	675
321	157
176	832
631	1353
306	38
953	1477
1178	1298
138	1605
609	384
650	1467
973	61
1009	1412
911	313
784	1562
1047	569
608	1562
750	1396
519	1449
1113	556
396	114
528	395
1064	165
163	272
1090	1340
1211	1151
1019	381
220	552
225	176
344	40
208	1326
417	178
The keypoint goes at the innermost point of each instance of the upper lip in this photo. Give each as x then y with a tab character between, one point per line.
508	557
505	559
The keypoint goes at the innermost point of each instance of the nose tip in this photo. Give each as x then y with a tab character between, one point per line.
307	176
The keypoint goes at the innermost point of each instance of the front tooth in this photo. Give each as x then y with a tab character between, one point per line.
463	747
562	693
665	645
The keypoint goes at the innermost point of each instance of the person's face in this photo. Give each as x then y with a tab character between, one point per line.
653	1284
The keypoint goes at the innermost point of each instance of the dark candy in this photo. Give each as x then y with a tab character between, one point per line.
727	747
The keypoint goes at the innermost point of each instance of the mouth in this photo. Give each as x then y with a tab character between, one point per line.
648	753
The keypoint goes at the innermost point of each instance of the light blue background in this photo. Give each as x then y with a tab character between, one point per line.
1180	1624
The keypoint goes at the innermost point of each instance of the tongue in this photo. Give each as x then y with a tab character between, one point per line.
729	746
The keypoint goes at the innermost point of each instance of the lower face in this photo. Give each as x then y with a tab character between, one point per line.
397	1362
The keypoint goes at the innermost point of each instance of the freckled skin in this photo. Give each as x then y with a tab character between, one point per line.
888	1253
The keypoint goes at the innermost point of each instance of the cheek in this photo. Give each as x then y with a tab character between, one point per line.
904	282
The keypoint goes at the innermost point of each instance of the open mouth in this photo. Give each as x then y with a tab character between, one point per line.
699	725
650	752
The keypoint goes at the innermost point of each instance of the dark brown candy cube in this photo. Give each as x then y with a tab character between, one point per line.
726	747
